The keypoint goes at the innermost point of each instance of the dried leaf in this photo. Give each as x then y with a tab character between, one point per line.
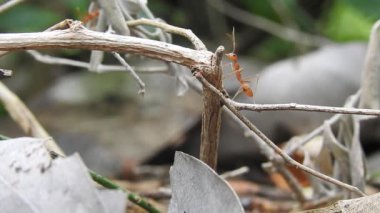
32	182
132	7
370	97
113	12
341	170
367	204
338	150
197	188
320	189
348	134
357	159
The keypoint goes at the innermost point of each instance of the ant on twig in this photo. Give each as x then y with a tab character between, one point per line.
245	87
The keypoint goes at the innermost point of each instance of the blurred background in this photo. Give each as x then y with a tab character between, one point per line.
309	52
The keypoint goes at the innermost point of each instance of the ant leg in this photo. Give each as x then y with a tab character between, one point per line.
237	93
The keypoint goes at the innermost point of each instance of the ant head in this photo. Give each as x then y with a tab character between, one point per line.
232	56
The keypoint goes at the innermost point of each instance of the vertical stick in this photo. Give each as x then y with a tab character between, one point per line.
211	116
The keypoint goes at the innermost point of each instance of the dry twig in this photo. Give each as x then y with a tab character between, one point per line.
9	4
301	107
287	158
78	37
130	69
47	59
234	173
198	44
25	118
291	147
211	115
275	159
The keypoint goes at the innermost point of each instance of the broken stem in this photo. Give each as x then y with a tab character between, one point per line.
211	115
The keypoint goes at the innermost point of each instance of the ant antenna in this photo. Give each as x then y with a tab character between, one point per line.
232	37
233	40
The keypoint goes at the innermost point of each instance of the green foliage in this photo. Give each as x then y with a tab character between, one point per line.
265	8
28	18
262	8
345	22
274	48
75	5
3	112
368	8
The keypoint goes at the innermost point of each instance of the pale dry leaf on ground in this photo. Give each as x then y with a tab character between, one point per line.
32	182
367	204
197	188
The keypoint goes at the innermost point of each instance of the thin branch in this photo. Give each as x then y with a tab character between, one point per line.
274	158
135	198
25	118
278	164
198	44
78	37
47	59
293	146
287	158
266	25
130	69
234	173
301	107
9	4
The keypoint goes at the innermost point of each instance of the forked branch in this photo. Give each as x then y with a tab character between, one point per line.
229	104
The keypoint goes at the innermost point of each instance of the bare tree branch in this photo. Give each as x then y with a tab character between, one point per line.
78	37
287	158
211	114
130	69
198	44
275	160
234	173
47	59
293	146
301	107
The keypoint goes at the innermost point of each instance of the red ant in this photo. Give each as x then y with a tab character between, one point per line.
90	16
237	69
